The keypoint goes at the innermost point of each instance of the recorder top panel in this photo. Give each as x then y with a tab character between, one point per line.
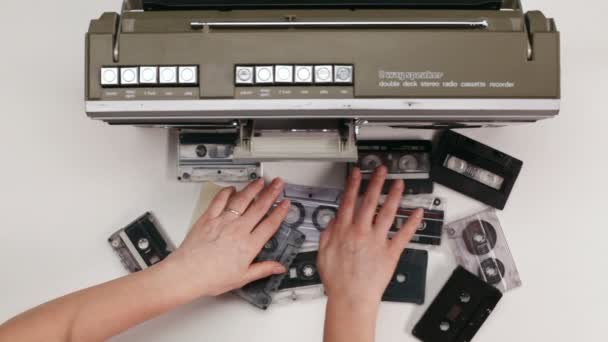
383	64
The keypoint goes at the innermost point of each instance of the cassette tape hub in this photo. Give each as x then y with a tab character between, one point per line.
302	281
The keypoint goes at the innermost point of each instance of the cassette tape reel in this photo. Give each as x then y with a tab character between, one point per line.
141	244
475	169
459	311
283	248
430	230
409	160
208	156
302	281
311	210
408	283
479	244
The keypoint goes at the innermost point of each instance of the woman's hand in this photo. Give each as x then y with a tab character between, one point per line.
357	260
217	255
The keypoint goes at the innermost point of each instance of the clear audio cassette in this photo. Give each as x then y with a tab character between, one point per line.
141	244
312	208
430	230
480	246
207	155
283	248
302	281
459	310
409	160
475	169
408	283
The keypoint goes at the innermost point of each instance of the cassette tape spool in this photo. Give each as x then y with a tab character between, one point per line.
302	281
409	160
460	309
283	248
408	283
311	210
430	230
208	156
479	244
475	169
141	244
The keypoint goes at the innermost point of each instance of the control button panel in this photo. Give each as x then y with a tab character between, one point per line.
149	76
287	74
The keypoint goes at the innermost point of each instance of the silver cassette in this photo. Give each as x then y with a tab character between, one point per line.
302	281
312	208
480	246
283	248
205	155
430	229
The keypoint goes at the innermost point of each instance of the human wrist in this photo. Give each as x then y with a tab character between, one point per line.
173	284
366	307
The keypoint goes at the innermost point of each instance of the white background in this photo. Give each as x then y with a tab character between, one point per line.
67	182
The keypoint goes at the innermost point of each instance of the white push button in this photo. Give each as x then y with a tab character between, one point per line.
167	75
188	74
323	74
109	76
343	74
244	75
303	74
129	76
148	75
283	74
263	74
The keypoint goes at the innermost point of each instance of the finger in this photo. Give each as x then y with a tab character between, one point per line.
367	211
348	201
218	203
262	270
324	237
404	235
262	204
267	228
241	200
386	215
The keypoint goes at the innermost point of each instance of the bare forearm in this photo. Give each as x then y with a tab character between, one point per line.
97	313
349	321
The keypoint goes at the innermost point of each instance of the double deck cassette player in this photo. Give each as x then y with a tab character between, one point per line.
299	79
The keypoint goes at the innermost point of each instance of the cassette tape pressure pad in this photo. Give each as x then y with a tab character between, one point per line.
213	65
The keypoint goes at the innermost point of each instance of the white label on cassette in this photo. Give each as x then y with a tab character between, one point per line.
474	172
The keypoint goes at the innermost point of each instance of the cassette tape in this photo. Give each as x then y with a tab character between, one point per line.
302	281
460	309
408	283
208	156
283	248
475	169
141	244
409	160
430	230
479	244
312	208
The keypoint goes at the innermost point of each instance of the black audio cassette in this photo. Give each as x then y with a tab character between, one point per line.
459	311
302	281
475	169
409	160
283	248
141	244
430	229
479	245
311	210
208	155
408	283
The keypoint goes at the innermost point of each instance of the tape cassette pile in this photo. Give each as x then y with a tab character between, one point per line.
409	160
430	230
141	244
283	247
207	155
311	210
480	246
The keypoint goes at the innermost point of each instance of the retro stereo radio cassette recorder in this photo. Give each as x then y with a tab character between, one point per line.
263	80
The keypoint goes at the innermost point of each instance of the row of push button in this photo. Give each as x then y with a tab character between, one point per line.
133	76
293	74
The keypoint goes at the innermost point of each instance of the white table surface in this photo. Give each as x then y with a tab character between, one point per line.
67	182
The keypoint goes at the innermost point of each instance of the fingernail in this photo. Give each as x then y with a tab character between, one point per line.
399	184
418	213
277	183
381	170
285	204
279	269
